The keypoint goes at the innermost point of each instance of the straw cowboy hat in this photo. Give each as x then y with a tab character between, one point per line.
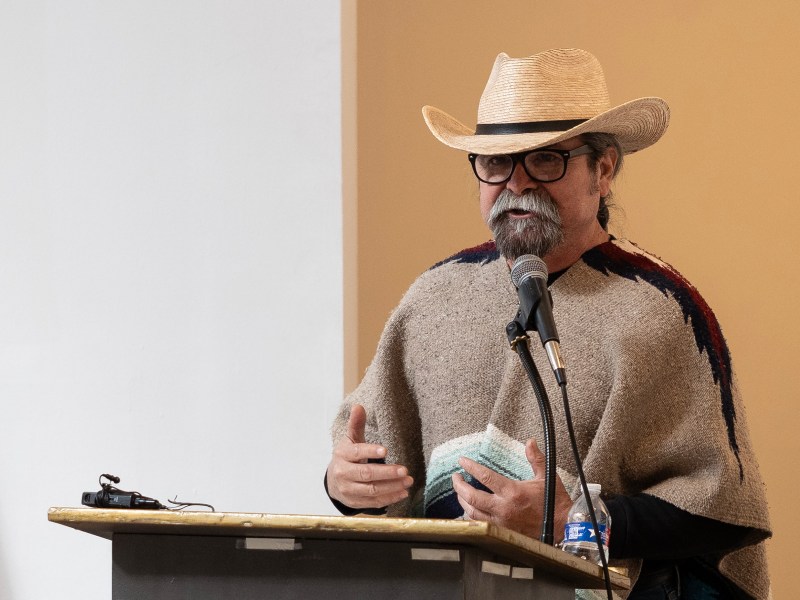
543	99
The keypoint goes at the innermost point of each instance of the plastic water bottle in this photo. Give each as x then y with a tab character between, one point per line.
579	538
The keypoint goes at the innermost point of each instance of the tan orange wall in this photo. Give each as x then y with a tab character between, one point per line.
718	197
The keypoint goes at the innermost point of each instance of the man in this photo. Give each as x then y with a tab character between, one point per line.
445	424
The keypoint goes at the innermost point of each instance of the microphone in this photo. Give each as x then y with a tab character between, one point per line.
529	275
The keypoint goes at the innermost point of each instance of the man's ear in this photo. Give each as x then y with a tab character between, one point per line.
606	167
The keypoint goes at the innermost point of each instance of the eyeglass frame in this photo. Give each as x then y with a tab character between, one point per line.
519	158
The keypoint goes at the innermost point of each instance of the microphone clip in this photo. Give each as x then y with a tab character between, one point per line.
515	331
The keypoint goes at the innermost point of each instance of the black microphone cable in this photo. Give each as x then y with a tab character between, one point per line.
585	488
519	343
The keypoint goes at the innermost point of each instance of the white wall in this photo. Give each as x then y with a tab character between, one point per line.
170	265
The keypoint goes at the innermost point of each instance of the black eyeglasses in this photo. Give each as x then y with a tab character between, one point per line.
544	166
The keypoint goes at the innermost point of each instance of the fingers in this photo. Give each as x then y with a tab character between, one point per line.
358	483
461	493
536	458
356	424
476	503
473	513
358	453
369	472
491	479
354	448
379	499
374	495
368	485
362	452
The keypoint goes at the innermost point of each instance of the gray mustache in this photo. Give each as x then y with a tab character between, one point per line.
535	201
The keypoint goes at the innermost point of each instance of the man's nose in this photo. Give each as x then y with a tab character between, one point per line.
520	182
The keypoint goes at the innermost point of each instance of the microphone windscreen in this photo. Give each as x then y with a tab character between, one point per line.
528	265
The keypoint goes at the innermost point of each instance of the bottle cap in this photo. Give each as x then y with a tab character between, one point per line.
594	488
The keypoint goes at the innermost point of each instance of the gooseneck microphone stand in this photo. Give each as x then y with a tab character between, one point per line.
518	339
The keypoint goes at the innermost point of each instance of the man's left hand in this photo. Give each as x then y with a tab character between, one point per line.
517	505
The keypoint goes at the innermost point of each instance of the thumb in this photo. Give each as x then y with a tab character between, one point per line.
356	424
536	458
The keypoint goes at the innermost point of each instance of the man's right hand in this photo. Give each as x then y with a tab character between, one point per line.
356	483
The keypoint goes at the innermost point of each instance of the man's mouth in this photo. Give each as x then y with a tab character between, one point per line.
518	213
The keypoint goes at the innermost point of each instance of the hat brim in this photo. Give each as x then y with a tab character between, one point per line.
636	124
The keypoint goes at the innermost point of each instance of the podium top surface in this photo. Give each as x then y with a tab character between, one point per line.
504	542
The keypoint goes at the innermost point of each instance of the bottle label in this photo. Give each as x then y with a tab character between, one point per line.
582	531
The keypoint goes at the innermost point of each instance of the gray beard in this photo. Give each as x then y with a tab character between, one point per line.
536	235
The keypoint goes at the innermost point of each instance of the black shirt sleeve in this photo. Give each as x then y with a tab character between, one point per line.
643	526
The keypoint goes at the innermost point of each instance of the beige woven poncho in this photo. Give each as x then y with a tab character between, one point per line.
655	404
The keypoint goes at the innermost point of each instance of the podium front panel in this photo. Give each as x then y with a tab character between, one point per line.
184	567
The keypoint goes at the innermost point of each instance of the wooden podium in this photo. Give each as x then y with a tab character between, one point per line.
242	556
